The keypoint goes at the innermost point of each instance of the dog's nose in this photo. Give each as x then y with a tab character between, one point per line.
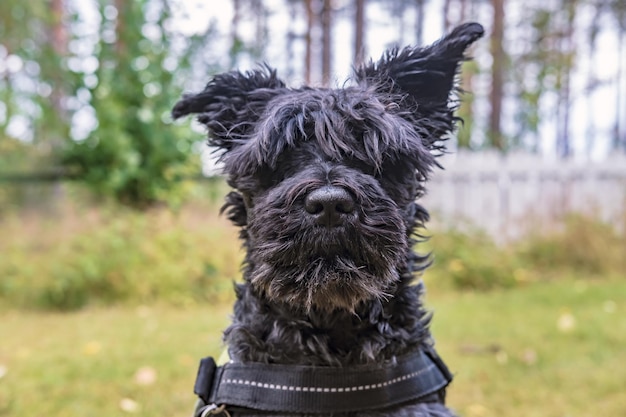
329	205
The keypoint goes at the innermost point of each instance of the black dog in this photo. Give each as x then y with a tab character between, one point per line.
328	319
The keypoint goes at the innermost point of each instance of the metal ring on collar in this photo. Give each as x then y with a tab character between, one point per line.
214	409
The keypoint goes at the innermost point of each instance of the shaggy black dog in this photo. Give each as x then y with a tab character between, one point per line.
326	183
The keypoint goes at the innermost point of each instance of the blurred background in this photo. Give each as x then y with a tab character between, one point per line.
116	270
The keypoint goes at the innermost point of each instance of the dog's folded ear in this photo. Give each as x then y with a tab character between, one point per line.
426	74
231	103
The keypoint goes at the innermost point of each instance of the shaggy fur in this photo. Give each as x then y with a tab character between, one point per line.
326	183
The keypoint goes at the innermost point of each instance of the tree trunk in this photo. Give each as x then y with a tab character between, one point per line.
399	10
261	28
497	76
59	31
121	6
620	105
592	83
567	57
446	15
326	41
291	37
419	22
359	32
308	54
235	41
58	37
59	43
465	111
58	137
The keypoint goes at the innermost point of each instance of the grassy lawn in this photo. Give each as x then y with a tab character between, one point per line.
547	350
551	350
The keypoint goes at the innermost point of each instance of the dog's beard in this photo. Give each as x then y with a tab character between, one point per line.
323	284
297	262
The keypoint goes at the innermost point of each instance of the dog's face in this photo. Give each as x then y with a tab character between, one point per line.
326	179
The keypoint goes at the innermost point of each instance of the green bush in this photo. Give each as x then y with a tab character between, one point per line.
471	260
135	154
120	256
581	244
578	246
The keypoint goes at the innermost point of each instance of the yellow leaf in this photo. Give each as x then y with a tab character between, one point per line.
92	348
476	410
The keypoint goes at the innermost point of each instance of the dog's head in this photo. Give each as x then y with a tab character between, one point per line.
326	179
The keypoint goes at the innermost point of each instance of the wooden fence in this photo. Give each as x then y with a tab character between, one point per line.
509	195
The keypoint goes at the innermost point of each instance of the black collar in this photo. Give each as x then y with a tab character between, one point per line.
315	389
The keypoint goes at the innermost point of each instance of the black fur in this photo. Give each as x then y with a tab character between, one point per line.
340	294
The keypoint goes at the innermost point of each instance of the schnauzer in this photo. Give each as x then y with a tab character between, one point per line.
329	318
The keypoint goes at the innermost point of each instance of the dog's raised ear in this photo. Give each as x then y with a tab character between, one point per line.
231	103
426	74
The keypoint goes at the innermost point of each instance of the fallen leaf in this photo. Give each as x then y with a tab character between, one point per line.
476	410
529	357
128	405
566	322
92	348
456	265
145	375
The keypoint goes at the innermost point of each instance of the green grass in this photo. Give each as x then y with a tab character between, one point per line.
84	363
548	350
506	348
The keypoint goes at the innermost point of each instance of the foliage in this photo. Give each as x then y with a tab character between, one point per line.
19	152
580	245
88	90
116	255
135	154
33	87
471	260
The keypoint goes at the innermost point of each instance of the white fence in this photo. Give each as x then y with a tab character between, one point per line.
507	196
